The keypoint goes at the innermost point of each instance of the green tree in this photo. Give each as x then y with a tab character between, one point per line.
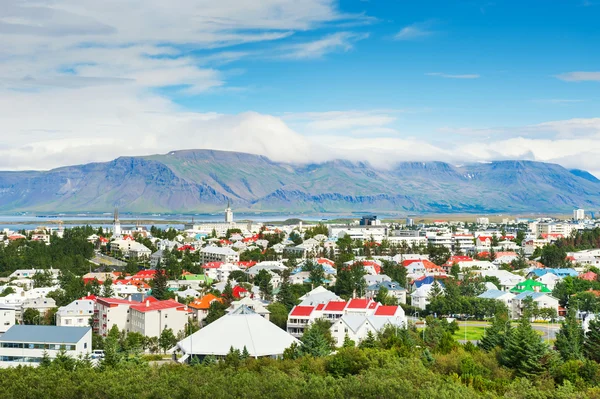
279	314
43	279
315	342
216	310
107	288
591	343
395	272
159	283
167	340
554	256
524	351
569	339
263	281
498	333
228	293
32	316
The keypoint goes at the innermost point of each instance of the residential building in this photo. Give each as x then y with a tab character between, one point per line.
578	214
394	290
358	326
111	312
7	318
26	345
255	305
542	299
503	296
218	254
200	306
76	314
42	305
151	318
531	286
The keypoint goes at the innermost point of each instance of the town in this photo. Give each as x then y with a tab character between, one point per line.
290	288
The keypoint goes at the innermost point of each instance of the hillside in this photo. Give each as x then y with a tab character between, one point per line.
203	180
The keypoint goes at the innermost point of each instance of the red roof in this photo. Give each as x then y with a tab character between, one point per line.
158	305
484	238
103	239
90	297
238	291
115	301
246	264
186	248
335	306
212	265
302	310
458	258
325	261
589	276
87	280
484	254
552	235
386	310
320	306
144	275
250	239
359	303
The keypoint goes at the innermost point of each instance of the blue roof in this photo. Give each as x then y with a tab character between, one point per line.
530	294
492	294
426	280
44	334
390	285
560	272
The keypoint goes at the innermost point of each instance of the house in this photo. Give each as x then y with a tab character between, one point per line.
130	248
42	305
319	295
543	300
503	296
394	289
421	266
420	297
477	265
559	272
151	318
76	314
28	273
549	280
588	276
358	326
7	318
255	305
111	312
26	345
189	293
240	329
530	285
194	281
200	306
218	254
507	279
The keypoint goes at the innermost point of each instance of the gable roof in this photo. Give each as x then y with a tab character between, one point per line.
302	311
158	305
386	310
494	294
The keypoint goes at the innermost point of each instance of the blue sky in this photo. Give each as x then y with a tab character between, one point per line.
381	81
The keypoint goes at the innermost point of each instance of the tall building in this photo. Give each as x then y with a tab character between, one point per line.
116	225
228	213
578	214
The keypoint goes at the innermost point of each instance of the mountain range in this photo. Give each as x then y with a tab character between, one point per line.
199	181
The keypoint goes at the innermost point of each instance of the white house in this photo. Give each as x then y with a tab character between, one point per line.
477	264
394	290
550	279
504	296
358	326
7	318
151	318
26	345
542	299
76	314
420	296
255	305
110	312
218	254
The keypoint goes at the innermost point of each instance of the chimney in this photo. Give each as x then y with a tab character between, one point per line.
129	297
147	303
89	293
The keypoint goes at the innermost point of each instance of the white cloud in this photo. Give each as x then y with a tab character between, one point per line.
415	31
580	76
454	76
340	41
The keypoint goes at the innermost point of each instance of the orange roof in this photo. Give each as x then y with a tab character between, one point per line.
204	302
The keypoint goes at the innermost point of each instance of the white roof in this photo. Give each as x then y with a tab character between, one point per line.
257	334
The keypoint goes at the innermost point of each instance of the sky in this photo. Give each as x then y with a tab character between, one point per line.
382	81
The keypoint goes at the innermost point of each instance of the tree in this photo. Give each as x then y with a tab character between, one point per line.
497	334
591	343
438	254
286	295
31	316
524	351
315	342
369	341
167	340
395	271
279	314
569	339
107	289
228	293
350	280
216	310
43	279
383	297
263	281
553	256
159	286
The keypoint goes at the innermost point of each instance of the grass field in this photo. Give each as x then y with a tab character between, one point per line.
474	333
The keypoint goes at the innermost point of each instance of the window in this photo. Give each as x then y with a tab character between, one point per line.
85	345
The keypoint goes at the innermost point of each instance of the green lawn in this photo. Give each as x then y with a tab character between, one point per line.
474	333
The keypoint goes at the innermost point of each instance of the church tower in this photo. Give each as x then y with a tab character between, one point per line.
116	225
228	213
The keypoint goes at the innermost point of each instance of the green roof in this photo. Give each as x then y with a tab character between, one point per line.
197	277
530	285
